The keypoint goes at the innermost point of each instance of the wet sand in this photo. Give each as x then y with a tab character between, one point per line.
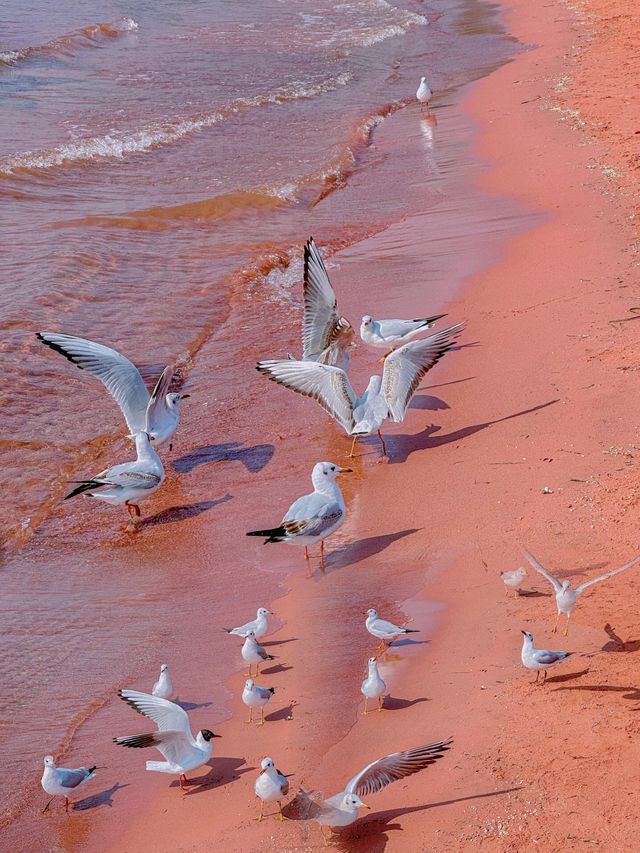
542	400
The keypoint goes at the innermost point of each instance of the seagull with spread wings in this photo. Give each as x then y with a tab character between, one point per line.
342	809
566	596
173	739
327	338
386	396
157	413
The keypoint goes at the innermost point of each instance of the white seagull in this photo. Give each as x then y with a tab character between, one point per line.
313	517
157	413
513	579
60	782
385	631
271	786
258	625
386	396
173	739
255	696
424	93
389	333
326	336
253	652
373	687
566	597
539	659
163	688
342	809
127	483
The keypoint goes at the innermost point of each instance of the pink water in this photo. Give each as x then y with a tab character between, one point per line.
161	165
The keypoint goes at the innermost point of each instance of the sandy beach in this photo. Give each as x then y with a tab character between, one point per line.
524	436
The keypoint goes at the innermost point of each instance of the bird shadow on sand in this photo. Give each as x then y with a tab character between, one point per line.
268	643
282	713
102	798
406	641
617	644
224	770
632	693
363	549
371	834
272	670
426	402
393	703
191	706
181	513
533	593
403	445
253	458
567	676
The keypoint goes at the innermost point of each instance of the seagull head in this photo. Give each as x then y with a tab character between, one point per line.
164	667
372	614
352	802
266	763
324	472
367	320
49	761
207	735
422	79
373	661
250	634
262	611
249	684
173	399
566	585
528	636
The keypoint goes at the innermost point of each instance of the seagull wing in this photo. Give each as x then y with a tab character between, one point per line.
165	714
322	325
158	402
328	385
555	583
388	627
545	656
404	368
72	778
176	746
311	515
384	771
118	375
628	565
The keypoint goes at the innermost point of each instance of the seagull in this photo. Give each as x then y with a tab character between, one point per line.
373	687
312	517
60	782
326	336
158	413
252	652
383	630
424	93
386	396
258	625
342	809
163	688
385	333
566	597
173	739
539	659
254	696
271	786
128	483
513	579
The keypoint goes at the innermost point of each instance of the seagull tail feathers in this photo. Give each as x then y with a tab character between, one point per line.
85	486
276	534
427	321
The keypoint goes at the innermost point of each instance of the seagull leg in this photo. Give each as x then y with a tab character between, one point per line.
537	677
281	816
307	558
324	837
554	630
366	710
261	815
353	447
566	630
48	804
261	723
66	804
250	720
382	360
322	554
545	677
384	446
380	703
382	647
170	446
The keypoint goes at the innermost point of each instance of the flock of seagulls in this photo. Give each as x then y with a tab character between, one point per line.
328	340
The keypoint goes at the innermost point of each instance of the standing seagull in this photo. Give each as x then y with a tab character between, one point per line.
255	696
163	688
566	597
252	652
513	579
386	396
128	483
312	517
60	782
387	333
424	93
258	625
539	659
385	631
373	687
173	739
158	413
342	809
326	336
271	786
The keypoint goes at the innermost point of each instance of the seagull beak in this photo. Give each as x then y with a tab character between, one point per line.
212	735
524	632
365	806
345	470
184	396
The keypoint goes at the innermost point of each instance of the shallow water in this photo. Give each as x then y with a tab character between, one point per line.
159	173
